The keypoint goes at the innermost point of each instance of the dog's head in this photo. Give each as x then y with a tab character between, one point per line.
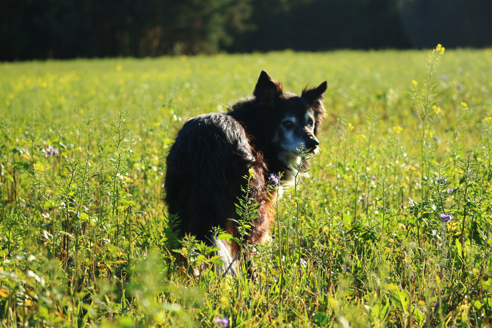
296	120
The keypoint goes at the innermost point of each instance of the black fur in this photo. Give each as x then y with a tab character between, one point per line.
213	153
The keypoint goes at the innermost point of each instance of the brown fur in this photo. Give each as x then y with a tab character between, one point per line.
213	153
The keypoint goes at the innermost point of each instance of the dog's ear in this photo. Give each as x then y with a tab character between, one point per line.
315	98
315	94
267	88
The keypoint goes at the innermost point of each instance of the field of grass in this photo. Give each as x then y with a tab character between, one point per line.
392	229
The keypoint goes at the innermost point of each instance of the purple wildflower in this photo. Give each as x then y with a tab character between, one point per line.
23	205
450	190
441	179
50	151
223	322
274	179
445	217
436	138
373	177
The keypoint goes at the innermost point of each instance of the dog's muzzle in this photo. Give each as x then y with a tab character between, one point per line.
311	144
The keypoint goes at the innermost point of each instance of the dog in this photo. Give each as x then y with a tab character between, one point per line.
260	137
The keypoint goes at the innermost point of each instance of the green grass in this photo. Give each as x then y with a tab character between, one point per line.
84	234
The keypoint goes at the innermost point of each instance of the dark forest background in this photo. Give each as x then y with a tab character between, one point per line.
33	29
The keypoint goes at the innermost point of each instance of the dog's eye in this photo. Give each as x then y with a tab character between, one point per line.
310	122
288	124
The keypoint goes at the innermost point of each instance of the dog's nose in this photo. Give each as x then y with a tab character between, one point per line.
311	144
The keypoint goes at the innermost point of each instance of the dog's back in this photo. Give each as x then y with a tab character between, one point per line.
205	172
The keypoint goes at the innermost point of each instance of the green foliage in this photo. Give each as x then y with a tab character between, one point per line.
62	29
71	29
85	238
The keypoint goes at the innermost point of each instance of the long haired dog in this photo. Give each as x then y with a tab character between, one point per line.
212	154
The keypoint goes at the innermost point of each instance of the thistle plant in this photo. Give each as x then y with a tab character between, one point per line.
427	113
344	141
304	157
397	157
247	211
441	184
487	146
117	162
364	173
467	181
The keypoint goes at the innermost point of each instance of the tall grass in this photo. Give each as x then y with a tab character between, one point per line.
392	228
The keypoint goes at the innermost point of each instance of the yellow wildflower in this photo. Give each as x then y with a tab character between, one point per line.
465	105
414	83
397	129
350	127
39	168
4	292
437	110
361	136
412	168
224	301
251	173
488	119
440	49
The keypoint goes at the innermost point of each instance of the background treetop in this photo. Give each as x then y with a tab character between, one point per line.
108	28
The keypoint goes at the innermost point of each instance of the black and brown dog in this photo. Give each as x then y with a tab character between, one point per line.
212	154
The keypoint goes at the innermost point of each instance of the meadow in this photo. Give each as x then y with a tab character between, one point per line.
391	229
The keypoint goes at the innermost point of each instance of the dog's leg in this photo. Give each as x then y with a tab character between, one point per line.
230	263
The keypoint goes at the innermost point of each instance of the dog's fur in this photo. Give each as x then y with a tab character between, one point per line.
212	154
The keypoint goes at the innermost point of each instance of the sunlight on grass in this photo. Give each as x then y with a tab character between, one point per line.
392	229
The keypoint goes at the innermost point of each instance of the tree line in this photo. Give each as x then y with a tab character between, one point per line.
31	29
